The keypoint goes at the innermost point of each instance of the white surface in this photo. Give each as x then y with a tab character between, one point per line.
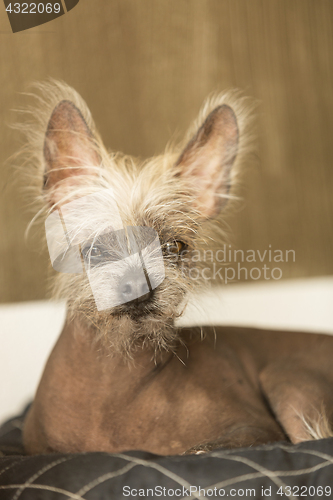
305	304
27	334
29	330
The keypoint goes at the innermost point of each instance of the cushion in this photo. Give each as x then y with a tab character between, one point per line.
277	471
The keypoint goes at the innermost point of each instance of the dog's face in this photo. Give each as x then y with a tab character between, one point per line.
121	232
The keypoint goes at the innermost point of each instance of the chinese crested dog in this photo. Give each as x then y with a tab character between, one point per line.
120	234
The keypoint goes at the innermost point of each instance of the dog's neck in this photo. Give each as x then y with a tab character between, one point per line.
86	344
120	333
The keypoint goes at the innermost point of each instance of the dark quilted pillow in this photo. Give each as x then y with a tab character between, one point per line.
279	471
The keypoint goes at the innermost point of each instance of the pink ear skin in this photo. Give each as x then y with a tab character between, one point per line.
69	147
207	160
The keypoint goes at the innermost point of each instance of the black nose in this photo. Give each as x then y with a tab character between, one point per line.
134	286
133	289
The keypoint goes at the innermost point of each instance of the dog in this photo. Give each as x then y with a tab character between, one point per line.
121	233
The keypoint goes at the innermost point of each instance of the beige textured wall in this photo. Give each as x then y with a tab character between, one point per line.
145	66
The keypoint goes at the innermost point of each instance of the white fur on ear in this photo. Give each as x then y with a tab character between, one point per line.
69	146
208	157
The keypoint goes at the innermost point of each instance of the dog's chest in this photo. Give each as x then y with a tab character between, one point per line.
165	412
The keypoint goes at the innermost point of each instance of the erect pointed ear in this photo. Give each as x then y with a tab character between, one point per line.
207	160
69	149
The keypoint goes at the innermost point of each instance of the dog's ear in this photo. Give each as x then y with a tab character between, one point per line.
69	150
207	159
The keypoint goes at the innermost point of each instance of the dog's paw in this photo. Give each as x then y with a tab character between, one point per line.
193	451
201	449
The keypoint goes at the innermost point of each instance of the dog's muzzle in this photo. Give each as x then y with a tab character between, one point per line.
122	263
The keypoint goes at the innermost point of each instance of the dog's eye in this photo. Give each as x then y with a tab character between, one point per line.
95	252
91	252
174	248
98	255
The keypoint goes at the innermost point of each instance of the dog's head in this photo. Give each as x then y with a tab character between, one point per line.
121	231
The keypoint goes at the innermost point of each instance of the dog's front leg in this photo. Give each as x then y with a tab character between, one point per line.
246	427
300	393
241	437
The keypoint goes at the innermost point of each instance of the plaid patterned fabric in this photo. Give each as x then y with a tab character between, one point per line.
276	471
